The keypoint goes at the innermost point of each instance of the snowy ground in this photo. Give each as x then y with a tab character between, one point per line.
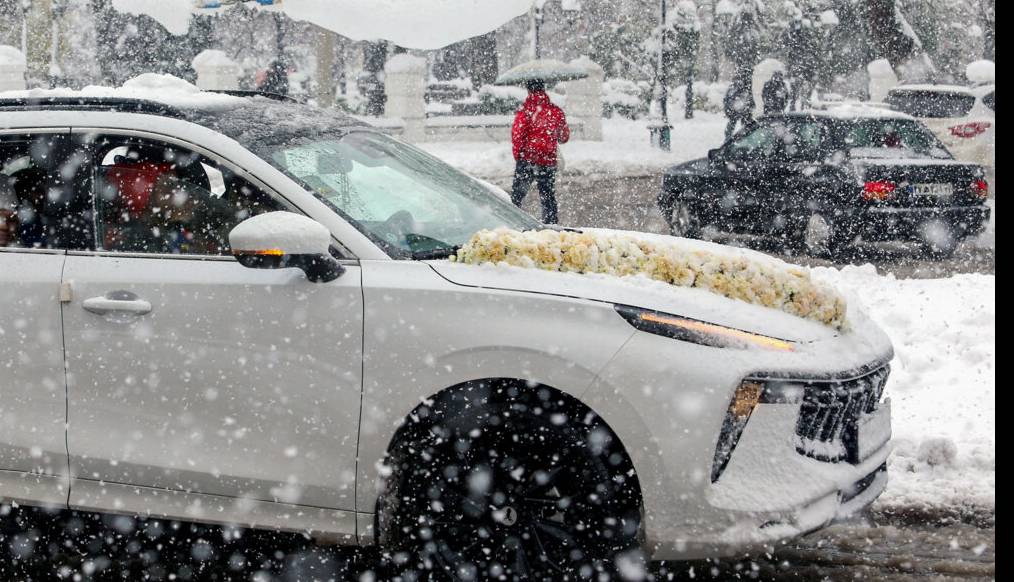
942	384
625	149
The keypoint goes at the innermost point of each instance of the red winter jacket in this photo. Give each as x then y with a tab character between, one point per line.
538	127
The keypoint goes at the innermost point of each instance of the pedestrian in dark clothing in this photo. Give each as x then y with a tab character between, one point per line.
277	79
802	50
739	105
538	127
775	94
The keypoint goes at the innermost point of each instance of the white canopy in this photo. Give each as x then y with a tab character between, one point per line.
414	24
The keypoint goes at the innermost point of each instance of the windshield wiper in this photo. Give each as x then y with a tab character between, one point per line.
435	253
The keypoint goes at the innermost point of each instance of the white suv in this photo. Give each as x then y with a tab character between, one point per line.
233	312
963	118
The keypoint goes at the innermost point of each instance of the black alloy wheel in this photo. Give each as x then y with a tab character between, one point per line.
528	493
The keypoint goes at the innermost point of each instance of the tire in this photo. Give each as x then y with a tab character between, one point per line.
819	236
681	219
517	488
938	240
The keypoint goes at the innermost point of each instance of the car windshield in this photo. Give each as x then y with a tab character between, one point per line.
891	138
409	202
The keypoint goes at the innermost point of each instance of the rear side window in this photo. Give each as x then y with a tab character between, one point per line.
931	103
44	193
153	197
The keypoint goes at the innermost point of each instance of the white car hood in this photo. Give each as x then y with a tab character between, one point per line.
639	292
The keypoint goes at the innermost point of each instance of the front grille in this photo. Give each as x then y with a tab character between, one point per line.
828	420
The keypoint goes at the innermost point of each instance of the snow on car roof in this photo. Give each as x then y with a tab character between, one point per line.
853	111
245	119
934	88
164	89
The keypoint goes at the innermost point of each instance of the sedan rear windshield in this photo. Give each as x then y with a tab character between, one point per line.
891	138
935	104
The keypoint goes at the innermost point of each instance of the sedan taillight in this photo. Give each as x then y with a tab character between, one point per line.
971	129
980	188
879	190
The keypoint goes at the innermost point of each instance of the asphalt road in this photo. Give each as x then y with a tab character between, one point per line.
41	545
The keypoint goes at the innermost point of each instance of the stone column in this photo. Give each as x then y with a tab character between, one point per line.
12	69
584	99
882	79
326	82
405	88
216	71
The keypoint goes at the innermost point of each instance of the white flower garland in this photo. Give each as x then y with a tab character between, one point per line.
770	283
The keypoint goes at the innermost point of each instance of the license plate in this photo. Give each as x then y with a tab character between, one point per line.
874	430
932	189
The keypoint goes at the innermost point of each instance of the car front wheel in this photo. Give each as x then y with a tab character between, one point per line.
525	492
819	236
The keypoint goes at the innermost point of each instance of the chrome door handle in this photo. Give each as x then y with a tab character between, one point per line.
117	302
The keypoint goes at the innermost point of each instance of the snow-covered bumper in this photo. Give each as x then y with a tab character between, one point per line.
813	448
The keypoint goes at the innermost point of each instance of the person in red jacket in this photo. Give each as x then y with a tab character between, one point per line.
538	127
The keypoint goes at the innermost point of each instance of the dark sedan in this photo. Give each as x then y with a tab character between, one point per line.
820	181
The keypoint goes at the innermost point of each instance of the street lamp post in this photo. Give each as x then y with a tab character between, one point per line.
661	131
537	15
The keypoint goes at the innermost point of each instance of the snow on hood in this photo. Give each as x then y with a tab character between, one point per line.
638	291
414	24
642	291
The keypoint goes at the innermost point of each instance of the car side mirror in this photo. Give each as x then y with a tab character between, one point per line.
715	155
279	240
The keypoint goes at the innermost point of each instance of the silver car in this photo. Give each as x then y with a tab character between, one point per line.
238	310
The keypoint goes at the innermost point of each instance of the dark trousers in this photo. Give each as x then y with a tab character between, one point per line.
730	128
545	176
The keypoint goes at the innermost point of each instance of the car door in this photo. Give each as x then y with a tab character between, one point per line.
189	372
752	177
33	405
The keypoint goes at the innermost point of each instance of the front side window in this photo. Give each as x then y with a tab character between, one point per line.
153	197
763	141
405	200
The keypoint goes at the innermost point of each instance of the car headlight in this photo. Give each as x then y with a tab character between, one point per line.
699	332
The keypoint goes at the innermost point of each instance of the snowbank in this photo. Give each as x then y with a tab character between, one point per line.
417	24
942	384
